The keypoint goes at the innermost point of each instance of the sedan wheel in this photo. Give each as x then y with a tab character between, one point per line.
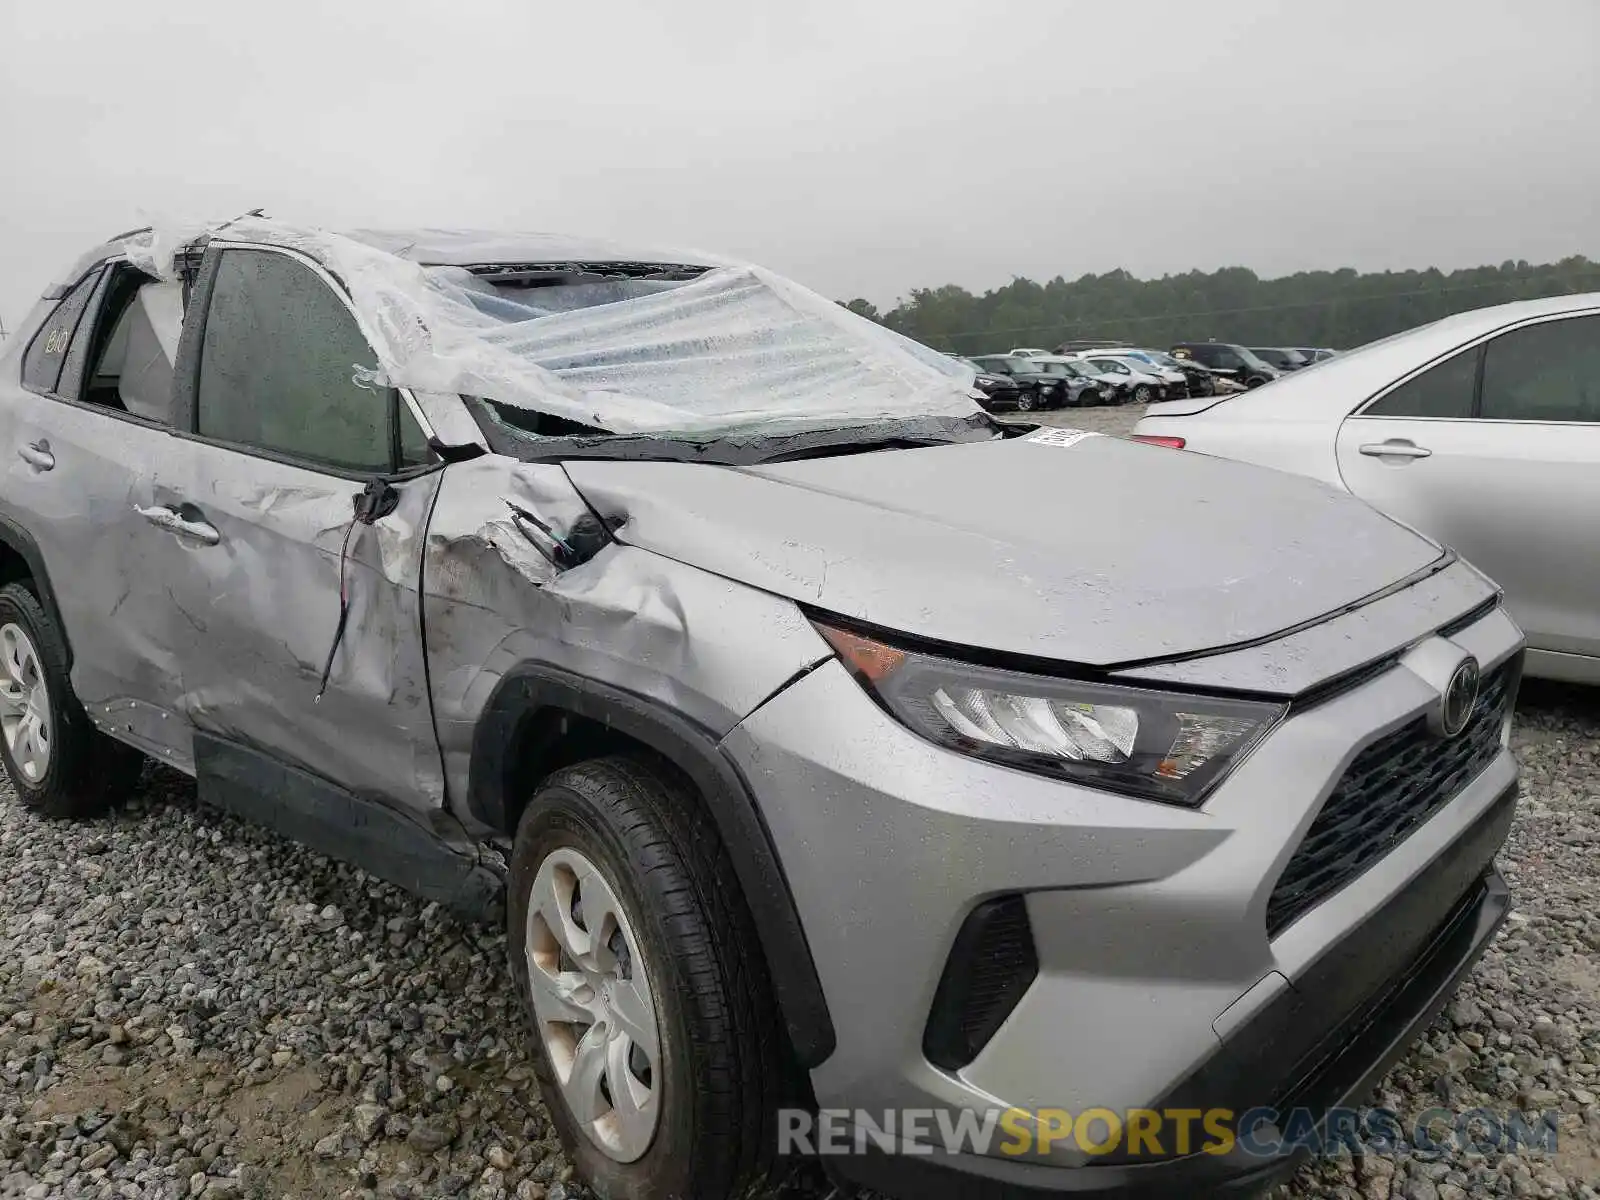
1025	402
1142	394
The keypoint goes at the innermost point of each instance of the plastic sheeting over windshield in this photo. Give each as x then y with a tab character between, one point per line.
735	346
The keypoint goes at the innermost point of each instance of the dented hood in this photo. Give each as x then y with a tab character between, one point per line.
1083	549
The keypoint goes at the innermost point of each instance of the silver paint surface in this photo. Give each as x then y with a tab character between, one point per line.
1101	552
707	648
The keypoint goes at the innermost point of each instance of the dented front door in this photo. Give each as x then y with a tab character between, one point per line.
257	584
279	438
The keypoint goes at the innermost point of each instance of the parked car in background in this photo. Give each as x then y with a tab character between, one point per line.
1038	389
1001	393
1172	376
1148	382
1481	430
1230	360
1026	352
1282	357
1103	388
1073	345
1200	380
1316	354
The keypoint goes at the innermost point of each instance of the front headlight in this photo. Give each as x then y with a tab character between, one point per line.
1166	746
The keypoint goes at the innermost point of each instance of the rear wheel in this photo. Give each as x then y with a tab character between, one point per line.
657	1042
58	762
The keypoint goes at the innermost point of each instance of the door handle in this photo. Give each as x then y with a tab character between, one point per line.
173	521
37	454
1395	448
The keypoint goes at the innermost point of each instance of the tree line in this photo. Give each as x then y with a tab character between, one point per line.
1341	309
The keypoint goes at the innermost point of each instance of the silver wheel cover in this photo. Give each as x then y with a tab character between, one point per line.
24	704
594	1003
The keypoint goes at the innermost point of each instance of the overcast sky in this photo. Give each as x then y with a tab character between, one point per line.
865	146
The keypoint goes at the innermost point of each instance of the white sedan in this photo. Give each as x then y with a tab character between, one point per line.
1481	430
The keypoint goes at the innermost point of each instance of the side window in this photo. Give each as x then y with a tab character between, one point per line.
276	365
123	354
414	451
1442	391
41	365
1546	372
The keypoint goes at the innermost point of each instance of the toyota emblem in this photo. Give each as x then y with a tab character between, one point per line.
1460	697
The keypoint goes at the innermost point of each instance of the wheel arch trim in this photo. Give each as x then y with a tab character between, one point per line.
20	542
532	687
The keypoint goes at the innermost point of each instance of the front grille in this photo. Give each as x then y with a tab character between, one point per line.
1390	789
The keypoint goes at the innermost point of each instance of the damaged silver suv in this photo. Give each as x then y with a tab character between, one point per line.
687	618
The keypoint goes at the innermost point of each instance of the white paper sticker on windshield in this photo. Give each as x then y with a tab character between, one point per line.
1061	437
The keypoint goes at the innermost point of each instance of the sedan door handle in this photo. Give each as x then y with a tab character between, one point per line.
37	454
173	521
1395	448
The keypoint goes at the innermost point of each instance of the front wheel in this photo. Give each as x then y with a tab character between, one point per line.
1143	394
1025	402
59	763
657	1042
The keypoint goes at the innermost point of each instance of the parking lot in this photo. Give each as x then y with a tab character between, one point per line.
191	1006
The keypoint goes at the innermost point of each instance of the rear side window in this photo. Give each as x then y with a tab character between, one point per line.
1546	372
41	365
1444	391
276	365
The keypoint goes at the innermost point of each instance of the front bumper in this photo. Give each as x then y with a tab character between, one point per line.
1157	980
1286	1057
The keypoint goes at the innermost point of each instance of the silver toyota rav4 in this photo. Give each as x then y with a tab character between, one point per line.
686	618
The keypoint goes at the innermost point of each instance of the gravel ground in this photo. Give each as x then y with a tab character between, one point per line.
189	1006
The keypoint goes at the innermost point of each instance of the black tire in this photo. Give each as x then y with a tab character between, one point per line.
725	1062
1143	394
1255	381
88	773
1024	401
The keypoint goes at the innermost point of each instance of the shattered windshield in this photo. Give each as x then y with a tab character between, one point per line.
658	347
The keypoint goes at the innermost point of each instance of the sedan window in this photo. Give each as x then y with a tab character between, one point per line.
1444	391
1545	372
276	366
